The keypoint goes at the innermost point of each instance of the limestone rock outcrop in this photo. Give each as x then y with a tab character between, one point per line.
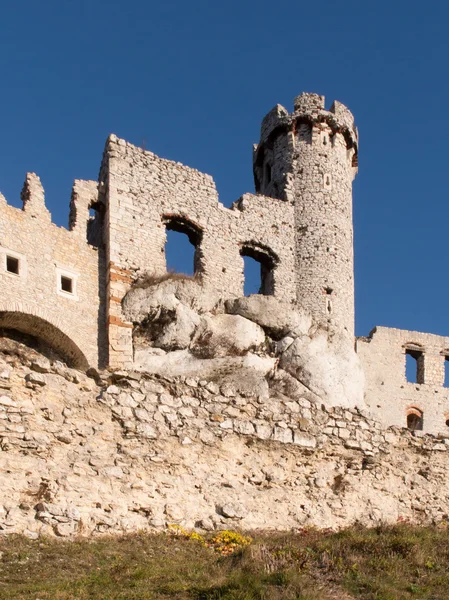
327	365
223	335
179	331
276	317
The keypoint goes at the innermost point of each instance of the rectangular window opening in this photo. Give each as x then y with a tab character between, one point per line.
414	366
66	284
446	371
12	265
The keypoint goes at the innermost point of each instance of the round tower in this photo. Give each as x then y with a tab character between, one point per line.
309	158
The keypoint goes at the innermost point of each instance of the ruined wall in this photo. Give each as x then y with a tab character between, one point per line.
33	299
388	394
141	452
300	231
146	193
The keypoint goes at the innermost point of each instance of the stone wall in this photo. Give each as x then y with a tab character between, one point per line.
146	194
388	394
131	452
32	299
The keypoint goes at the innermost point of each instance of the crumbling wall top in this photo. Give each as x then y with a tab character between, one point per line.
307	102
277	116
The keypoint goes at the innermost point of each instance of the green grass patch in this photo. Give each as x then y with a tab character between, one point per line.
384	563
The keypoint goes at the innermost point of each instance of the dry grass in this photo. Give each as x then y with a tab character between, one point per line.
386	563
149	279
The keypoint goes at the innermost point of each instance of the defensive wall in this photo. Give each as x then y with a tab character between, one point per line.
131	452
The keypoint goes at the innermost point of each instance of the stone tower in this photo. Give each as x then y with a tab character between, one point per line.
309	158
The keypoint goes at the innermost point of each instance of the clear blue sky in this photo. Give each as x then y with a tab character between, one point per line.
192	80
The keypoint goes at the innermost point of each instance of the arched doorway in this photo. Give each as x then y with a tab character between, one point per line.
43	329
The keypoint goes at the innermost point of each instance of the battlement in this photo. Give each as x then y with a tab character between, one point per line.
307	102
309	108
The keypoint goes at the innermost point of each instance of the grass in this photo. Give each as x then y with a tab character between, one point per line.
149	279
386	563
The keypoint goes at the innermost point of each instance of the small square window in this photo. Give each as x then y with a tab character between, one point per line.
12	264
66	284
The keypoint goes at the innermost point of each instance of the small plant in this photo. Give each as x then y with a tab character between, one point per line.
191	535
227	542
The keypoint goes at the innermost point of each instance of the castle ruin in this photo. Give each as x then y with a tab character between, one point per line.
191	360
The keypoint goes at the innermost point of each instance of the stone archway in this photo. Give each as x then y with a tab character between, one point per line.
37	323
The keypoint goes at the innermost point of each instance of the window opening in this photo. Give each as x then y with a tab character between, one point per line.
258	271
446	371
95	224
447	422
12	265
252	276
267	173
182	247
66	284
415	420
414	365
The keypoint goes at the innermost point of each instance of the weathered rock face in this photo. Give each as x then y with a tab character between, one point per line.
223	335
246	374
276	317
244	347
151	293
135	451
327	365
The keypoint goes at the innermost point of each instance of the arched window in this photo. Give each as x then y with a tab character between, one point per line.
182	247
415	419
259	268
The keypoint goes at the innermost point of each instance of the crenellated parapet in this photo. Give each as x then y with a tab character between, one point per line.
281	127
33	198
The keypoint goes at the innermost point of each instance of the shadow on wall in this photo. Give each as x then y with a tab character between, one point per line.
47	333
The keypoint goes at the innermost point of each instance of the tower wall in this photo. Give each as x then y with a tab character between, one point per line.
309	159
